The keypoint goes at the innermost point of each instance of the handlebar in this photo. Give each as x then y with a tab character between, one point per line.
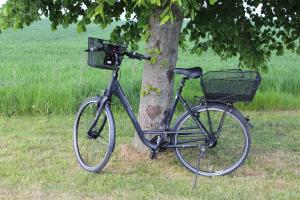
135	55
131	55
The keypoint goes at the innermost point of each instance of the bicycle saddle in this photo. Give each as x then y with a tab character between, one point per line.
194	72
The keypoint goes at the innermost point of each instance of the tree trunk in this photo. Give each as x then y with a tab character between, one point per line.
158	84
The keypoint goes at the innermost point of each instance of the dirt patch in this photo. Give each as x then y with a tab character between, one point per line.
126	160
247	171
128	153
280	160
262	164
2	146
34	193
297	171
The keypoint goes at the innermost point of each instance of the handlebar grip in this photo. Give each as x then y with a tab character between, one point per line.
147	57
136	55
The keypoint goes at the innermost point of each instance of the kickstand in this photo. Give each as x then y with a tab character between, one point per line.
201	156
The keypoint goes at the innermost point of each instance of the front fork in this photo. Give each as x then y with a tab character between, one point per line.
102	103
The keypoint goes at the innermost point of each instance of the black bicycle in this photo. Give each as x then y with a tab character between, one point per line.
209	139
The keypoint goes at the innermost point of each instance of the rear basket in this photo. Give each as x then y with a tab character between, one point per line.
104	59
230	85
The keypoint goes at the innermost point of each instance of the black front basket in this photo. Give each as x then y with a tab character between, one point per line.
230	85
104	59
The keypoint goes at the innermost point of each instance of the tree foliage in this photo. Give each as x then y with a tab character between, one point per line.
230	28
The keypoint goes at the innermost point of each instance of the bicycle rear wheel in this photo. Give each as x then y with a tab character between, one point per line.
230	149
93	149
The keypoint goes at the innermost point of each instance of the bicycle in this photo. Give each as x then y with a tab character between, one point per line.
209	139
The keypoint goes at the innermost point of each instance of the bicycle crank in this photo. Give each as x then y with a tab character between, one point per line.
159	142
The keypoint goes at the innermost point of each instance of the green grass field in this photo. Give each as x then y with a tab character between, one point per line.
37	162
46	72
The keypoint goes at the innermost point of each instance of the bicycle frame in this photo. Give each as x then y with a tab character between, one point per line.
115	89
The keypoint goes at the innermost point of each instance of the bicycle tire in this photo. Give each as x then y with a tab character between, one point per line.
211	170
80	135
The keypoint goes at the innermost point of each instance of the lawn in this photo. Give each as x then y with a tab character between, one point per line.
37	162
45	72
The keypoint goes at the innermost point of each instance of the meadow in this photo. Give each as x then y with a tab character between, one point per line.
43	79
45	72
37	162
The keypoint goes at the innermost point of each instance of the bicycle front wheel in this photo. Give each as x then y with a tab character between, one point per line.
93	148
231	146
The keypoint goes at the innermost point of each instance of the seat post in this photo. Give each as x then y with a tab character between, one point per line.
181	84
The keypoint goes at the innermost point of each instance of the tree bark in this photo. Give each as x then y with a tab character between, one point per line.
157	83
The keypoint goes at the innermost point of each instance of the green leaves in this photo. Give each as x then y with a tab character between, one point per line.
222	27
4	17
212	2
110	2
148	89
167	15
116	34
3	24
298	51
81	27
53	26
165	19
280	50
139	3
99	10
5	10
18	25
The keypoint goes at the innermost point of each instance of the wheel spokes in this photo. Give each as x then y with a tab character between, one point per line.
96	142
227	151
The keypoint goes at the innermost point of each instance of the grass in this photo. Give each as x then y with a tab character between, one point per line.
37	162
45	72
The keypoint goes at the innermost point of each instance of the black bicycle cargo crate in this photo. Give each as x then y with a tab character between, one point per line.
104	59
230	85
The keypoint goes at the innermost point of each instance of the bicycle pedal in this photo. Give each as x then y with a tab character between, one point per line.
153	155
